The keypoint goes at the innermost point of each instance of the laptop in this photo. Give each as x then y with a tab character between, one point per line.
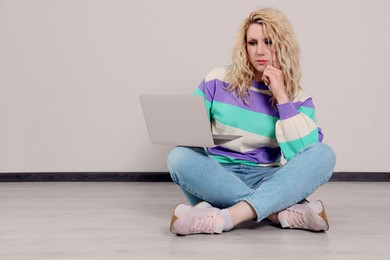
180	120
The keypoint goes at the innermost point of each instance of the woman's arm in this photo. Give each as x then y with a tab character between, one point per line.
297	127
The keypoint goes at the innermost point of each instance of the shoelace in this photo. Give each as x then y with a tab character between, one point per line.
205	223
296	217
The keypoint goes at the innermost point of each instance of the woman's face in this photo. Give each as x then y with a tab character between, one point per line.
258	47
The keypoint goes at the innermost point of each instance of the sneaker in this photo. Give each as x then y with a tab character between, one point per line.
188	220
203	205
311	216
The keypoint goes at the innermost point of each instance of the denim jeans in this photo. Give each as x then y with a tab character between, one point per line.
267	189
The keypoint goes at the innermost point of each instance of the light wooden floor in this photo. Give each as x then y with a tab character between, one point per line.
127	220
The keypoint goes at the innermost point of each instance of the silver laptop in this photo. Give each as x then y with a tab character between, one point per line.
179	120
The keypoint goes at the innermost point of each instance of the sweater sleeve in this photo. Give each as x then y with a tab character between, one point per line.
297	127
202	91
208	86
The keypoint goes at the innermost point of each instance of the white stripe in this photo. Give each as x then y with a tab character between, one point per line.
301	96
267	92
294	128
220	74
217	73
248	142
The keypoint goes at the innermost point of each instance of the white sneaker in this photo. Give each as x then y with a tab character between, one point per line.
188	220
311	216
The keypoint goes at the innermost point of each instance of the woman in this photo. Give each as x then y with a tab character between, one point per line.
260	98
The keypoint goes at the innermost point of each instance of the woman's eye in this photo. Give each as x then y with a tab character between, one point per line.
252	43
268	42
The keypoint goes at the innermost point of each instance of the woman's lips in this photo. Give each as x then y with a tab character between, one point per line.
262	62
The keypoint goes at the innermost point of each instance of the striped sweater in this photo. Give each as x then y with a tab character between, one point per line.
268	131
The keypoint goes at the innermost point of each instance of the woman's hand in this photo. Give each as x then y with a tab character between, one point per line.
273	78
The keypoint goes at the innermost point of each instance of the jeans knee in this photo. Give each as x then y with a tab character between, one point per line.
173	160
179	159
327	154
176	157
326	157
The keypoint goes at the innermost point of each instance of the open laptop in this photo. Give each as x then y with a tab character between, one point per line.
180	120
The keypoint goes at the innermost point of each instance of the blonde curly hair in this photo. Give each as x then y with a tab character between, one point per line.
276	26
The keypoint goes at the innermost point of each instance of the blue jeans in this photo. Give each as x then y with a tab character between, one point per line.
267	189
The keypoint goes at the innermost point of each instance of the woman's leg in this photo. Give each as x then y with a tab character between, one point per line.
201	178
296	180
241	212
291	184
302	175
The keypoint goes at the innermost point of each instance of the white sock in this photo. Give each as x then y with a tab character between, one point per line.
227	218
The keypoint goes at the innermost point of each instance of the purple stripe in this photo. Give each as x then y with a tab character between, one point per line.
320	134
261	103
287	110
307	103
215	90
260	85
263	155
208	90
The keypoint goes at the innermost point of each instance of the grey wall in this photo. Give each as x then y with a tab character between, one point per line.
71	72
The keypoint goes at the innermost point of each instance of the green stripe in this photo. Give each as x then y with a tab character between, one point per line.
226	159
254	122
199	92
291	148
310	112
237	117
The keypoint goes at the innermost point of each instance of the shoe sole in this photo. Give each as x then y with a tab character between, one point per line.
173	219
323	215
